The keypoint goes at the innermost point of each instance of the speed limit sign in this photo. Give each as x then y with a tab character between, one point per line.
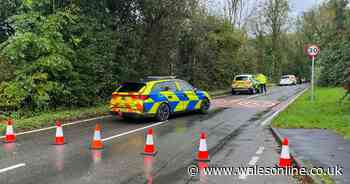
313	50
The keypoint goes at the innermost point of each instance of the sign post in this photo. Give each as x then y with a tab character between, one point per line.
313	79
313	51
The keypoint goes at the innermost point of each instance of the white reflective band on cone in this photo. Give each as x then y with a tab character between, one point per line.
59	132
149	140
203	145
9	130
285	152
97	135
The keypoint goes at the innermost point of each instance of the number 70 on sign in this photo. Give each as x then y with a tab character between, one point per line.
312	50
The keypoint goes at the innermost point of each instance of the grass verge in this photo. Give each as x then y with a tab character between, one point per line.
325	113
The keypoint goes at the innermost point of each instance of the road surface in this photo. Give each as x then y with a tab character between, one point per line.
236	130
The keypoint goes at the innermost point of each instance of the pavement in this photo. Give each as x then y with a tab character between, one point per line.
321	148
237	134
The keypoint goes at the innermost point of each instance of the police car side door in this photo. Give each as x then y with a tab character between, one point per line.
192	100
169	90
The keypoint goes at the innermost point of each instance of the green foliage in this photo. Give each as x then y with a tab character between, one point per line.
42	58
328	26
73	53
335	62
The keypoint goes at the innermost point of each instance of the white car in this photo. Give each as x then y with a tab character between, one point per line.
288	80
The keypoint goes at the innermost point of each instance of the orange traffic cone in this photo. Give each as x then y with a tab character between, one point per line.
203	154
149	148
10	137
285	160
96	141
59	138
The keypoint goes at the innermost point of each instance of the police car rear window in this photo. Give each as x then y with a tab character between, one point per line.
242	78
131	87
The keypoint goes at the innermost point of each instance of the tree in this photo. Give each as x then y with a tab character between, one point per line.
276	17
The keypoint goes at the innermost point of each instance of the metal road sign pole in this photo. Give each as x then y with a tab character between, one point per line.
313	79
312	51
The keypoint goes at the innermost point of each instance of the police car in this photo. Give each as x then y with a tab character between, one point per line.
158	97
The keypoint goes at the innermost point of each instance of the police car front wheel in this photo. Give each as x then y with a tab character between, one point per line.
205	105
163	112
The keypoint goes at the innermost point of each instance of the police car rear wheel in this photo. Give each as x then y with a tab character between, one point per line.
163	112
205	105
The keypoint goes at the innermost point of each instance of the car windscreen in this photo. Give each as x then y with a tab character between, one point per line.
131	87
242	78
285	77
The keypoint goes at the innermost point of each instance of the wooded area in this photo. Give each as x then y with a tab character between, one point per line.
68	53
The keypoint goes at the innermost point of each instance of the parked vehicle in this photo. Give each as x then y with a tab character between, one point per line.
245	83
158	97
288	80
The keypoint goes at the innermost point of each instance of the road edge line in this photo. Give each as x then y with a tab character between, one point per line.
12	167
133	131
99	117
298	162
268	119
66	124
279	138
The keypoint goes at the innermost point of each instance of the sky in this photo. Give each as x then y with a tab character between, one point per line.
300	6
297	6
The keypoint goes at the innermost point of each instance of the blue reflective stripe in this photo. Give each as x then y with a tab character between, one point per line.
173	105
182	96
157	98
191	105
200	95
147	106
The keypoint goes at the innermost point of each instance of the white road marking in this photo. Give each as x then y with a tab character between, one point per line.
250	97
77	122
253	161
260	150
67	124
12	167
267	120
133	131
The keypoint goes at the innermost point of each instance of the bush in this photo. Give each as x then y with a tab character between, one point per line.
335	63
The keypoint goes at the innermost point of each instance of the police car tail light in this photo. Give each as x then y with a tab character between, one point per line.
139	97
143	97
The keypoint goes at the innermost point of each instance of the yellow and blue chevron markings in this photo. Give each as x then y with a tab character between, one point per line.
147	100
179	101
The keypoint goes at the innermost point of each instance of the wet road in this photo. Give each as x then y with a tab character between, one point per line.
235	129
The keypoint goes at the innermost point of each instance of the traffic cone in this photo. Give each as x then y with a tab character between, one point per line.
59	138
10	137
203	154
285	160
149	148
96	141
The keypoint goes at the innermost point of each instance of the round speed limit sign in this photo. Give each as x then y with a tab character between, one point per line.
313	50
